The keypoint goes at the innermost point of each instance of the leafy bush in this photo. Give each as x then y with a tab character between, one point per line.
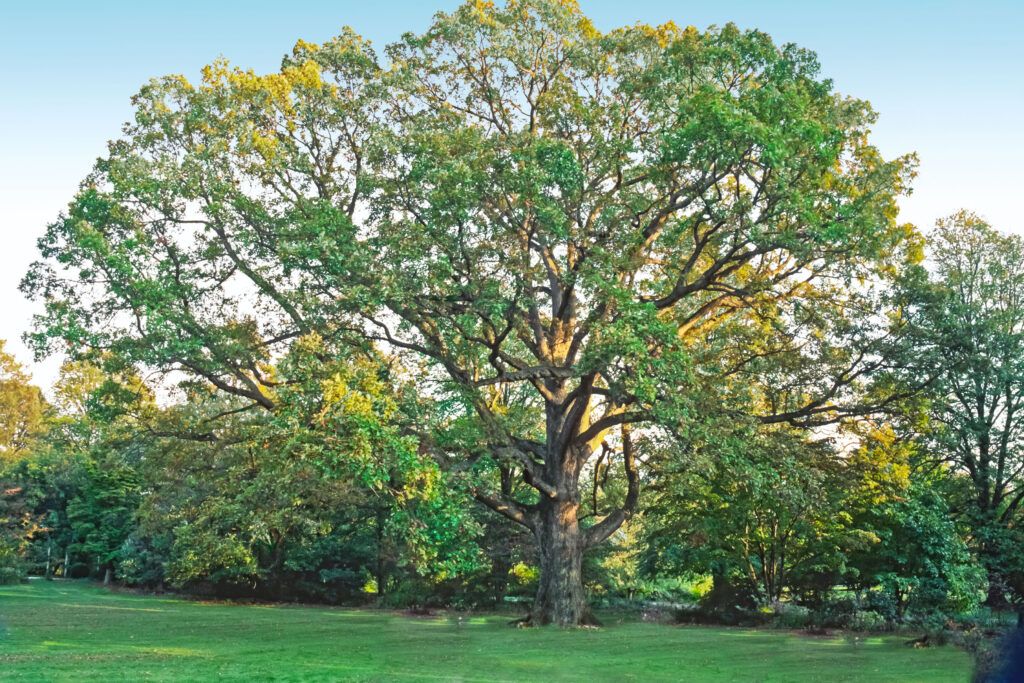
787	615
523	579
138	564
674	590
986	619
11	565
865	620
10	575
334	585
989	651
883	603
731	596
835	612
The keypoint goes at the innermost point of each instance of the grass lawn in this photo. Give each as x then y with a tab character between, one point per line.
76	631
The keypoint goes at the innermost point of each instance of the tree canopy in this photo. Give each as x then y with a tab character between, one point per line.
568	241
22	408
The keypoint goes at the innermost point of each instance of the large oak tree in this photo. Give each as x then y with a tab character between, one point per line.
579	237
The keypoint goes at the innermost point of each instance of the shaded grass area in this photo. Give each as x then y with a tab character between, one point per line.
77	631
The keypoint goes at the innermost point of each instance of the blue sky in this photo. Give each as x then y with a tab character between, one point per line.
946	77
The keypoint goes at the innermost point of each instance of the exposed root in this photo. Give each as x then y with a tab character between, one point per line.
522	622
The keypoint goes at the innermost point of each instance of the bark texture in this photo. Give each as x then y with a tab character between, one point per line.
560	596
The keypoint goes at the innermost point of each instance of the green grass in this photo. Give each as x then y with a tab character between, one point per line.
76	631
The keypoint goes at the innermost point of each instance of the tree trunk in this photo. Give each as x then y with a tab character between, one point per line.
107	576
554	518
996	596
560	597
381	575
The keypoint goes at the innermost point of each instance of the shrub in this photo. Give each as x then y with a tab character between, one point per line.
523	579
835	612
865	620
10	575
666	591
138	564
791	616
989	652
883	603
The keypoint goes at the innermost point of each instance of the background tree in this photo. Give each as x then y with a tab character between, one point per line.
84	473
974	326
101	515
579	236
765	512
18	525
22	408
920	559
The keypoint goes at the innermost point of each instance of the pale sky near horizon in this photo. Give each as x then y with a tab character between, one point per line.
946	77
